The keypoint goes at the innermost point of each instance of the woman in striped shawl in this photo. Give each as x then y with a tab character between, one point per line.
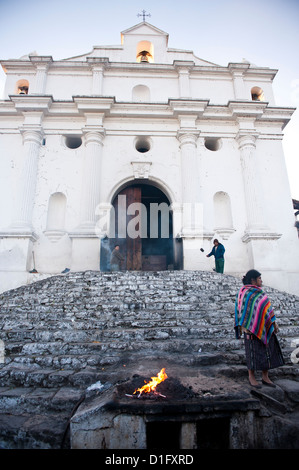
254	316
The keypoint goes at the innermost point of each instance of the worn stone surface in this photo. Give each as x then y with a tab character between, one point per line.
64	333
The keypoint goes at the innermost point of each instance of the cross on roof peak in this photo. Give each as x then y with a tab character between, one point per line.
143	14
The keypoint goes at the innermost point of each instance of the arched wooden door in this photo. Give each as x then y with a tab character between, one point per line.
130	246
143	246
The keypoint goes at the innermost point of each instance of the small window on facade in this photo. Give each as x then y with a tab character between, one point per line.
142	144
213	143
145	52
73	142
257	94
22	87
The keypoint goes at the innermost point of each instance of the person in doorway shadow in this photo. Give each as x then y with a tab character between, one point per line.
116	259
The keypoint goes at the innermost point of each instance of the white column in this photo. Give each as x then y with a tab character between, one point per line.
97	79
237	71
192	231
86	242
190	179
91	184
251	182
183	68
40	79
239	86
98	65
184	84
19	237
27	184
42	64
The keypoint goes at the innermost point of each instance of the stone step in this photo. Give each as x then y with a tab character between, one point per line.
144	318
34	431
83	373
37	400
126	340
63	366
127	329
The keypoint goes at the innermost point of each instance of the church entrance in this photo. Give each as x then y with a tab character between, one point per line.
142	227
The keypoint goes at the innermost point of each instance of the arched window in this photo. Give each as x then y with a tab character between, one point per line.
223	215
141	93
56	216
257	94
22	87
145	52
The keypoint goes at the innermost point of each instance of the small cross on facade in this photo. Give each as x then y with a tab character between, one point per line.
143	14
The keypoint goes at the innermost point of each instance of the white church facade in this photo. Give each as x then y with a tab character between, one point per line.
96	143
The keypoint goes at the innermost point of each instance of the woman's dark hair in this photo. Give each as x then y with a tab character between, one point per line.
252	274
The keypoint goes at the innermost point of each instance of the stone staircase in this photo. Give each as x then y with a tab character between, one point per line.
67	332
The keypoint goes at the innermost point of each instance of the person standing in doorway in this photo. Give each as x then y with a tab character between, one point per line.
116	259
255	318
218	251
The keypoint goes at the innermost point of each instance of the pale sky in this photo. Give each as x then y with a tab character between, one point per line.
264	32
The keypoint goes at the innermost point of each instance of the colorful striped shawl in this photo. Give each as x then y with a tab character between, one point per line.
254	312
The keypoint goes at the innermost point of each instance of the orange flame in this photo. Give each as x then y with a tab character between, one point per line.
151	386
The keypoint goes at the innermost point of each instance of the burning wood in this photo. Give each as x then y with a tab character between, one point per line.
151	386
172	389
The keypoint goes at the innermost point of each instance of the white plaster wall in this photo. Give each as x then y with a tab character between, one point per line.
217	90
265	85
63	86
13	78
119	152
60	170
11	149
221	171
161	86
277	200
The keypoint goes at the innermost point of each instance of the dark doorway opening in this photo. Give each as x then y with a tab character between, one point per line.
143	230
163	435
213	433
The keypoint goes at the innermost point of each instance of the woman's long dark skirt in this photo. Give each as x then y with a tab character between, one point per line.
260	356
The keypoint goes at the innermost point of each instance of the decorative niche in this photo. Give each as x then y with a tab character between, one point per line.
141	94
55	228
223	215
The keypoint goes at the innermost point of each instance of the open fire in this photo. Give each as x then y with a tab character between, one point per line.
155	390
151	386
